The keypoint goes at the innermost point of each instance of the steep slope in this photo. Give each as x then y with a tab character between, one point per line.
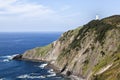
91	51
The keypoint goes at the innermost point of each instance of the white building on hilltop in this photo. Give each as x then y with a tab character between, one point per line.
97	17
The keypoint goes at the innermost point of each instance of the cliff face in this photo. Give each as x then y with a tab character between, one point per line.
91	51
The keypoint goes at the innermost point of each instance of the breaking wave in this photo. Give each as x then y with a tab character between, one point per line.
2	78
7	58
43	65
27	76
52	73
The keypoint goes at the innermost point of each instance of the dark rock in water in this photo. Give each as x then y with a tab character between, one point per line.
17	57
68	73
93	49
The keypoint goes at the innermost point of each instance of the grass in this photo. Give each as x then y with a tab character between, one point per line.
66	37
69	34
113	20
84	69
105	61
42	51
79	33
100	28
113	73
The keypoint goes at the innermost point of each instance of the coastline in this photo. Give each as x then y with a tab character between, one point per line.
49	65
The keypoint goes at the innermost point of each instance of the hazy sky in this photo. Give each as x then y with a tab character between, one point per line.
52	15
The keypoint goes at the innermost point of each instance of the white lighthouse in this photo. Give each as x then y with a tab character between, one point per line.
97	17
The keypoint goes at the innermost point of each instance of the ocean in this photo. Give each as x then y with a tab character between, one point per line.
17	43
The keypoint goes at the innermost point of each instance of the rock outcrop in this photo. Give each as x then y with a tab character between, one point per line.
17	57
91	52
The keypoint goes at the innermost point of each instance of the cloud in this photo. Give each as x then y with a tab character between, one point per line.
18	15
18	7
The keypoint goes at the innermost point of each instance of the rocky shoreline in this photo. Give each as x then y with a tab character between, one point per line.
84	52
68	76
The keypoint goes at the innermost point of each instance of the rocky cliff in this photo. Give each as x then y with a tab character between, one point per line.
91	51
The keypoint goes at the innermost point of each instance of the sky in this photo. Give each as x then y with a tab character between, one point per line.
52	15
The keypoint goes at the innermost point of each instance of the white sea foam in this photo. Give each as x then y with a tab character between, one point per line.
52	73
2	78
26	76
8	58
43	65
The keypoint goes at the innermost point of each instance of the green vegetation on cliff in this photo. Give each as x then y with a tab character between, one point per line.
42	51
91	51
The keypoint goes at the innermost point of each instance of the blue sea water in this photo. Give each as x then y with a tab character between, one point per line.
17	43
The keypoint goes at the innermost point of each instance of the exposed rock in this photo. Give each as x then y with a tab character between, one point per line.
68	73
17	57
103	69
85	51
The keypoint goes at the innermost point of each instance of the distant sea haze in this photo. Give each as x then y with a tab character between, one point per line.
12	44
